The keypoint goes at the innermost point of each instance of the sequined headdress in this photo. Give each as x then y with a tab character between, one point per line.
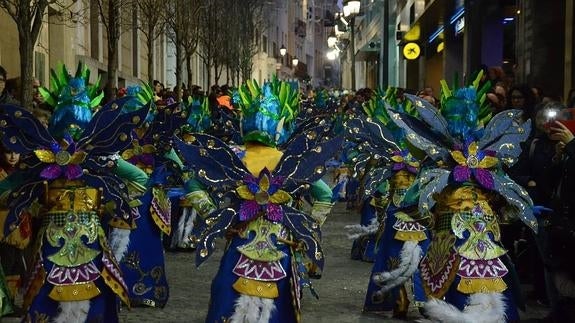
73	100
268	112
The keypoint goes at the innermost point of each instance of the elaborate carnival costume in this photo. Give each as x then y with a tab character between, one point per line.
186	216
141	255
400	241
466	199
74	180
262	270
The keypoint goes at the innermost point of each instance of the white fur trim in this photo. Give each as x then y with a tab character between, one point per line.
73	312
181	238
480	308
119	241
355	231
564	285
409	261
251	309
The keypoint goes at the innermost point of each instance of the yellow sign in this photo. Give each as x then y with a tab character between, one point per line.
411	51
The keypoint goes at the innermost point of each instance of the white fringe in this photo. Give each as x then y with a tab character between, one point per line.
73	312
119	241
251	309
564	285
184	228
355	231
409	260
481	308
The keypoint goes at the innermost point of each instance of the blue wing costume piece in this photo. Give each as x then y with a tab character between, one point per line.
221	170
107	133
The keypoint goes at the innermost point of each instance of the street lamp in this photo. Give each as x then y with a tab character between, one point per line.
332	54
351	10
294	61
331	40
283	50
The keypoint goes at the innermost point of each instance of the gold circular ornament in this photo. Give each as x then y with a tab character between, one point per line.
472	161
63	157
262	197
138	150
411	51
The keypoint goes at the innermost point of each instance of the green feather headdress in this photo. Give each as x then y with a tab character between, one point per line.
60	80
268	112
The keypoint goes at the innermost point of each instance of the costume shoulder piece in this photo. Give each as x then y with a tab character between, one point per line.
471	146
66	152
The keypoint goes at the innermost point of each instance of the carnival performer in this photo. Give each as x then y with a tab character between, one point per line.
466	272
262	271
140	250
185	218
76	181
400	242
12	262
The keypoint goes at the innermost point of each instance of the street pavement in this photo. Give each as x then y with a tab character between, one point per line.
341	288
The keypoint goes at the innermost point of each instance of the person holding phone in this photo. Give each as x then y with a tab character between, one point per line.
560	265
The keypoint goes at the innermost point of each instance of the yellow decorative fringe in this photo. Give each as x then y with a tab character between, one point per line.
410	236
256	288
76	292
481	285
115	286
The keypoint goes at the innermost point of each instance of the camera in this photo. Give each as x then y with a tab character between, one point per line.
565	117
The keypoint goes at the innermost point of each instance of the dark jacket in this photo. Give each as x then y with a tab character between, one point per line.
6	98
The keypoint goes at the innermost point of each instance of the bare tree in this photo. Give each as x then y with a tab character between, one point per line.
250	29
191	31
212	20
183	28
110	12
28	15
151	23
244	24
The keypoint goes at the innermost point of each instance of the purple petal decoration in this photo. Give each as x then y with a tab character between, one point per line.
275	183
147	159
490	153
275	212
73	171
484	177
398	166
412	169
248	210
461	173
51	172
250	179
134	160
